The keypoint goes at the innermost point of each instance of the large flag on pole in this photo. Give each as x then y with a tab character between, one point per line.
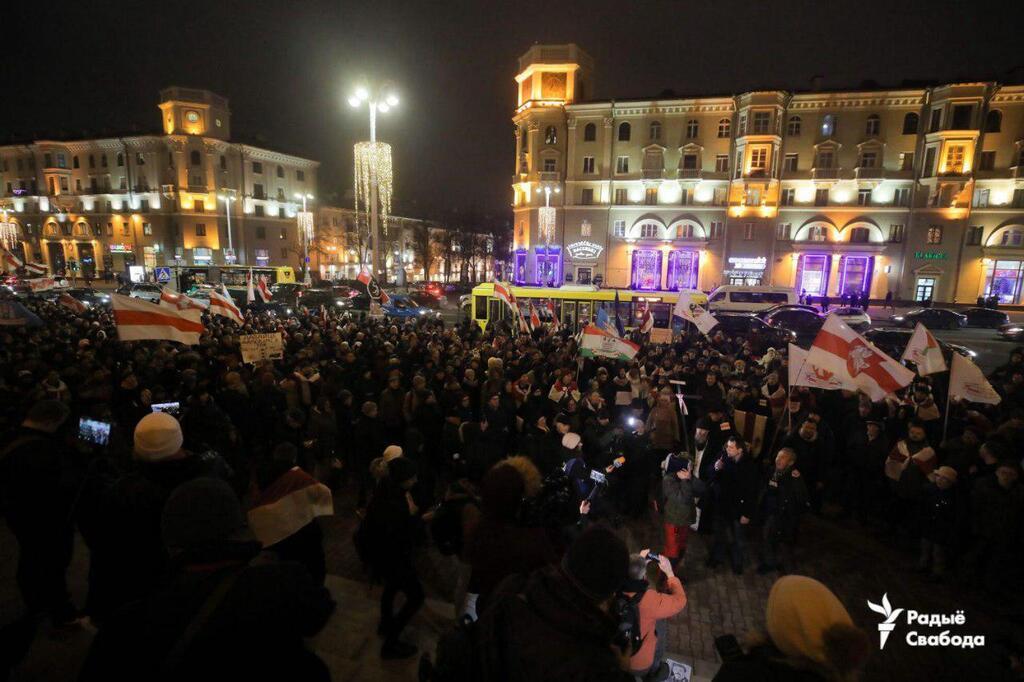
72	303
596	342
179	301
555	323
694	314
647	322
11	260
968	383
139	320
797	358
263	290
503	292
604	322
534	317
373	289
222	304
36	269
924	351
840	358
250	289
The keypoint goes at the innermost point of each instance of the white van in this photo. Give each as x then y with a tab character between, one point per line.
738	298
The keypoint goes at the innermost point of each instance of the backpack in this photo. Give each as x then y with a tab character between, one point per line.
446	528
627	610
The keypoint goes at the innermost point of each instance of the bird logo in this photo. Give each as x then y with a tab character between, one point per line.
890	614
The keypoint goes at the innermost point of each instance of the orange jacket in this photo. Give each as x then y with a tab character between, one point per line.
656	606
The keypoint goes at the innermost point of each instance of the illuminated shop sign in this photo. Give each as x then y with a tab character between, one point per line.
584	250
759	263
930	255
121	248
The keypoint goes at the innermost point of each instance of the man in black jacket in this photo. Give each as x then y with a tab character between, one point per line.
37	491
783	501
734	489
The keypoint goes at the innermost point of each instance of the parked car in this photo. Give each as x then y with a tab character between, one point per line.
986	317
735	297
804	323
893	342
785	306
144	290
1012	331
932	318
749	324
854	318
287	292
89	297
401	306
426	299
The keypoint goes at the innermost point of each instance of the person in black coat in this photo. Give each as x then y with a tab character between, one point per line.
37	491
782	502
941	519
733	487
368	444
221	615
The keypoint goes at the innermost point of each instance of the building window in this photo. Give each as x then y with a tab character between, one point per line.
622	164
824	159
258	210
685	231
981	197
724	127
200	230
896	233
788	197
934	234
147	228
655	130
280	171
122	182
550	135
261	232
955	159
97	230
993	121
649	231
193	158
868	159
61	161
92	161
685	197
752	197
140	159
987	161
689	162
907	161
587	196
716	230
651	196
782	231
619	228
901	196
621	196
762	122
589	132
910	123
828	125
110	229
223	162
758	160
860	235
692	128
821	197
74	161
874	125
1011	238
624	131
585	228
719	196
257	191
739	164
588	164
120	159
549	165
789	163
284	233
817	233
721	163
262	256
257	168
936	120
300	175
793	126
78	185
748	231
962	116
929	163
974	234
863	197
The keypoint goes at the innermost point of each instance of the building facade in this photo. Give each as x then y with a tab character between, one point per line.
102	204
915	191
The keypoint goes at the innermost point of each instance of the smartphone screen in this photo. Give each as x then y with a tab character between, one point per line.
598	477
93	431
170	408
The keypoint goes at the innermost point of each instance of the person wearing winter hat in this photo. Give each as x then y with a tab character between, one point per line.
942	520
158	437
809	637
239	606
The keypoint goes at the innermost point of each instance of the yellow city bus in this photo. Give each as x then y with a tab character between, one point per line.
234	275
579	304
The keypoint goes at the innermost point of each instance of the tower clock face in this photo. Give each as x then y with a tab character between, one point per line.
192	116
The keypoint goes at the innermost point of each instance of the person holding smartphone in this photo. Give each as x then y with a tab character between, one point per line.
677	488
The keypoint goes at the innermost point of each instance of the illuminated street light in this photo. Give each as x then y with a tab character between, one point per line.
305	222
227	197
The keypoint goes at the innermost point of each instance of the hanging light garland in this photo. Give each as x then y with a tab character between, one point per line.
373	163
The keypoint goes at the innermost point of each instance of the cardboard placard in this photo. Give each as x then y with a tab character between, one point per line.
256	347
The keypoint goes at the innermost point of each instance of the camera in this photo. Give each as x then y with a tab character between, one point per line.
93	431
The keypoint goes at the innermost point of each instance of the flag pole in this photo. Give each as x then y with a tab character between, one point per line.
945	422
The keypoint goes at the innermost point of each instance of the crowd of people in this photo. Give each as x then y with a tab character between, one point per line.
501	449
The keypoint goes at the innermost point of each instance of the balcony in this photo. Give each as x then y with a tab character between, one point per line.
756	173
870	173
549	176
690	174
824	173
652	173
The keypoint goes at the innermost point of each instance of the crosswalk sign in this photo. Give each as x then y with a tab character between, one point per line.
163	274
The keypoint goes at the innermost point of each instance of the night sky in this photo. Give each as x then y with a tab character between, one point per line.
84	67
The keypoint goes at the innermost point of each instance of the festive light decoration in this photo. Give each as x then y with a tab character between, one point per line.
305	219
546	223
373	162
8	234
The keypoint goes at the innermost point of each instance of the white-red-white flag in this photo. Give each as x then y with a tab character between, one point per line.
179	301
797	358
222	304
139	320
646	322
555	323
250	291
72	303
840	358
35	269
695	314
968	383
924	351
10	260
534	317
263	290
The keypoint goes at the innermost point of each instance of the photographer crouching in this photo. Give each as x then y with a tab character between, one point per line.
653	594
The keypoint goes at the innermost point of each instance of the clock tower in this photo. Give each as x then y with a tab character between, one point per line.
187	111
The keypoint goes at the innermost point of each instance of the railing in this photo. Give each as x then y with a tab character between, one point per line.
756	173
870	173
824	173
689	173
549	176
652	173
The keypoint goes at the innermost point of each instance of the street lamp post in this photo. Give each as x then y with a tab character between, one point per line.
227	197
382	100
306	226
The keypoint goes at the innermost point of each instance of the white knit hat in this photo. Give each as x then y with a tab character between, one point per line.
157	436
570	441
392	452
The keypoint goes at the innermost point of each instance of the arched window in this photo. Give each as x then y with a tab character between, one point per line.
993	121
624	130
828	125
910	123
649	231
589	132
692	128
193	157
1011	237
82	229
280	171
550	135
655	130
685	231
860	235
874	125
817	233
793	126
724	127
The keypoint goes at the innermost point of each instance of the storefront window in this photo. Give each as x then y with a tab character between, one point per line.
646	274
549	266
1004	280
519	274
682	270
812	274
263	257
149	256
855	274
202	255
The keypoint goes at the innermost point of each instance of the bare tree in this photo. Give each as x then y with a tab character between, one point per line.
423	247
